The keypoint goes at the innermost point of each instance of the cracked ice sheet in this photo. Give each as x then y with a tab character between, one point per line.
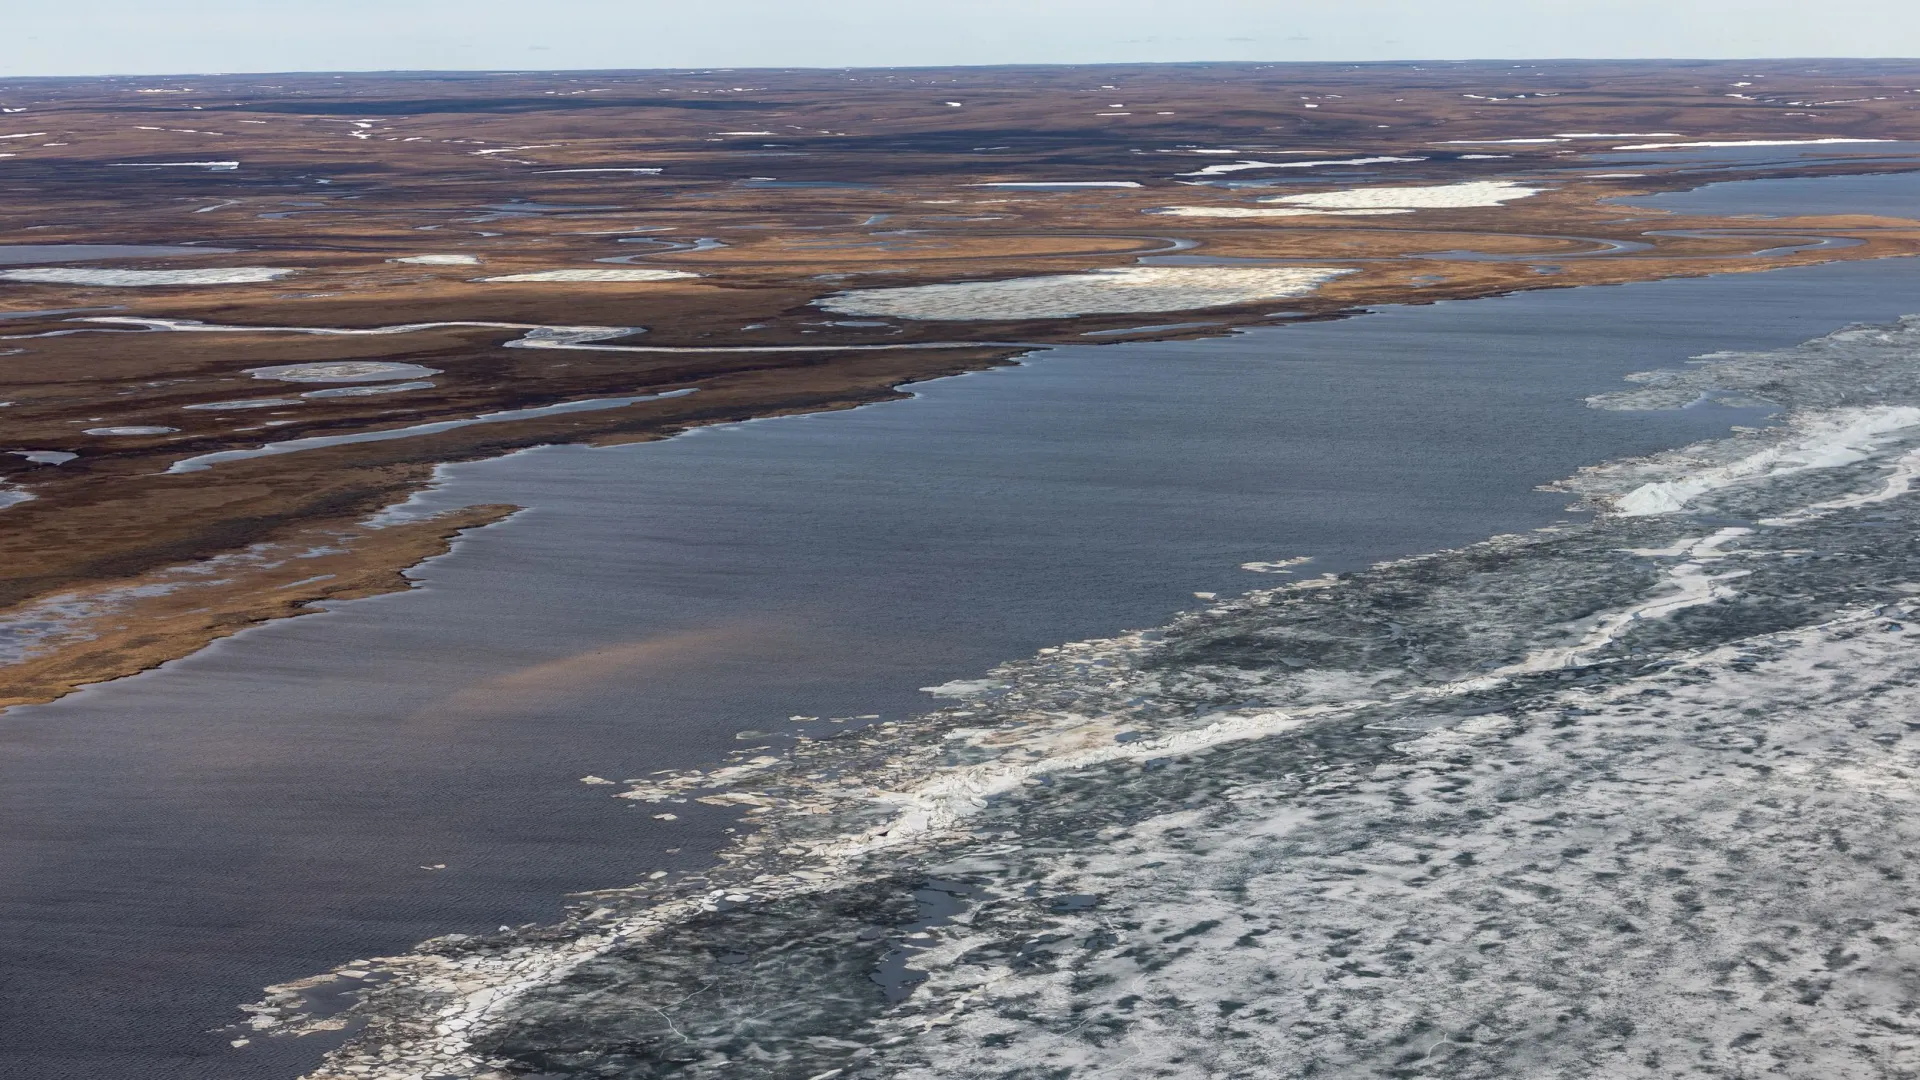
1667	884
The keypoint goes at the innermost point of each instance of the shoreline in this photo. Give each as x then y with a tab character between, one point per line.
241	608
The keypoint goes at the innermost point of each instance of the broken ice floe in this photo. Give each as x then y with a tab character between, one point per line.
1277	566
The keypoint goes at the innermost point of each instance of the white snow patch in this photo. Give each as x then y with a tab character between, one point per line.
596	275
1243	166
1271	212
1748	142
66	275
1118	290
438	260
251	403
1438	196
131	429
1825	441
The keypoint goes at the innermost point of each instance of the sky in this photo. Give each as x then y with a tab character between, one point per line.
101	37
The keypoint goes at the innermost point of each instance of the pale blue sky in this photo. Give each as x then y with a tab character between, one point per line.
91	37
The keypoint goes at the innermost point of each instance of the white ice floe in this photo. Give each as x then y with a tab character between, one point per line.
1243	166
1825	441
1435	197
596	275
963	688
131	429
1111	291
67	275
1748	142
1364	202
438	260
343	371
1277	566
